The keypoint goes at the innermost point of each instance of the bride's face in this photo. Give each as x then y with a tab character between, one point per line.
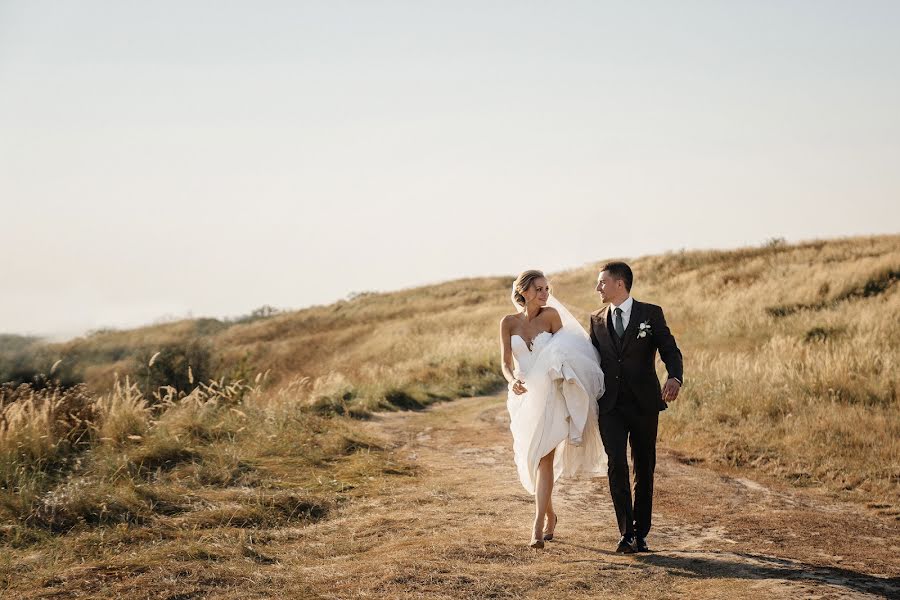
539	291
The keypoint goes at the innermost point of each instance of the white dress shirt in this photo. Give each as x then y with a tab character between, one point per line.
626	312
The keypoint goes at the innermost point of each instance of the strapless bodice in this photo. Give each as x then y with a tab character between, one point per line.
524	355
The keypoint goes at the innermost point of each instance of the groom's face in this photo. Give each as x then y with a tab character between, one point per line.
610	288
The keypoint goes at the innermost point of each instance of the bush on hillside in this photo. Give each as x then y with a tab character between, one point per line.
180	366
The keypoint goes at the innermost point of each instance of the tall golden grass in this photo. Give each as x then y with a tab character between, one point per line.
69	459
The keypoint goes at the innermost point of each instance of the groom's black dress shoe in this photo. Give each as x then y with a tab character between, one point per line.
640	544
626	545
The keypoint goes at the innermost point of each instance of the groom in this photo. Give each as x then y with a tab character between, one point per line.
628	334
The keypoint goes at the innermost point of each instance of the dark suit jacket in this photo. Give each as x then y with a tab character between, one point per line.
632	362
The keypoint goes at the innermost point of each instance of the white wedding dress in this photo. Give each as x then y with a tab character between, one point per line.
563	377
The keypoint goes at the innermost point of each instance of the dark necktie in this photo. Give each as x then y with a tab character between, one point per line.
620	327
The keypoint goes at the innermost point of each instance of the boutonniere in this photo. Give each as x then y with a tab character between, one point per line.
644	329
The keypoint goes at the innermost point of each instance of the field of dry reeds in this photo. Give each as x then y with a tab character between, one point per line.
188	439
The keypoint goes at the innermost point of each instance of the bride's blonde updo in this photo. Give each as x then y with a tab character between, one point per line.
522	283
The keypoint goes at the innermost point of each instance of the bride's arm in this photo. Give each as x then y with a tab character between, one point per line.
506	356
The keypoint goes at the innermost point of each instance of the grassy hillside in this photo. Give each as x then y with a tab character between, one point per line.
780	341
791	360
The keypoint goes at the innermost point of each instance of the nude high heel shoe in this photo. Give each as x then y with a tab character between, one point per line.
549	536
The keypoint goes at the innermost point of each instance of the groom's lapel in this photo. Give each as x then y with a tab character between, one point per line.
637	313
604	337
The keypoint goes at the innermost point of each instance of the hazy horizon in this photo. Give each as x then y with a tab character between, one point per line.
190	314
162	159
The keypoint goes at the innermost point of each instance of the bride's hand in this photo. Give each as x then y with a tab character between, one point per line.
517	387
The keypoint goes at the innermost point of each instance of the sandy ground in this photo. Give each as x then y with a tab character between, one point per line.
459	528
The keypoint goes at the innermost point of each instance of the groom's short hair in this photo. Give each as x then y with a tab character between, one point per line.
619	270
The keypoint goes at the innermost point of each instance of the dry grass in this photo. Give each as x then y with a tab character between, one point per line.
231	456
163	488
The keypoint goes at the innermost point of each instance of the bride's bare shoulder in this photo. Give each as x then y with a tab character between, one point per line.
549	313
509	320
551	316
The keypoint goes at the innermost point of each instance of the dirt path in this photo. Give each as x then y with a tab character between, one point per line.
459	528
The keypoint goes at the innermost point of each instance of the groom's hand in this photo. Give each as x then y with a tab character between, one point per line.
671	389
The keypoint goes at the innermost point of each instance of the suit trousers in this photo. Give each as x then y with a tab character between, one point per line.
622	425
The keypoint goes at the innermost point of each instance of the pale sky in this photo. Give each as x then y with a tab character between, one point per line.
172	158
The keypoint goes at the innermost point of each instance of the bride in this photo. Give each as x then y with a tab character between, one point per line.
554	379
